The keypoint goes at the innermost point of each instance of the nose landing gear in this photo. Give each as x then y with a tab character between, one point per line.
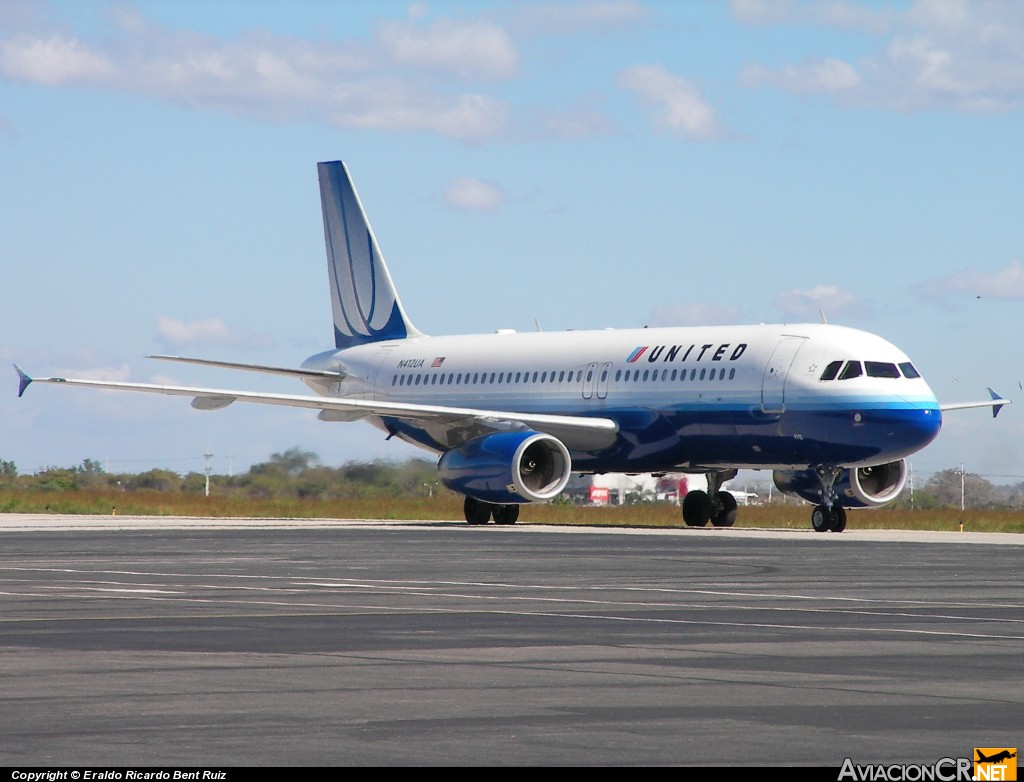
830	516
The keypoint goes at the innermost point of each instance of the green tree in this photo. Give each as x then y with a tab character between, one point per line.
156	480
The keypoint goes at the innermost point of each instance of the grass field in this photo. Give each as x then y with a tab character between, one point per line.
449	506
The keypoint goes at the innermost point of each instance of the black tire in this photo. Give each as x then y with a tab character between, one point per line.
839	518
696	508
505	514
476	511
726	516
821	518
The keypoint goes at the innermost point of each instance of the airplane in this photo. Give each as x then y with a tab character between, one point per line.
999	757
834	412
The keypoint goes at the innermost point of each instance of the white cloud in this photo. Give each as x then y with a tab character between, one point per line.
470	118
471	50
53	61
571	123
809	76
951	55
394	82
811	303
473	194
173	333
569	18
678	106
1006	283
699	314
832	13
119	373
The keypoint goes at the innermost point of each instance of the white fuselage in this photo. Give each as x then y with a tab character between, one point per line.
690	398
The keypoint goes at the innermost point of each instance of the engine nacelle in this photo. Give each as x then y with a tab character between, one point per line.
863	487
507	468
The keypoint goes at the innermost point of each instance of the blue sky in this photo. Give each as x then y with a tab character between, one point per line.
582	164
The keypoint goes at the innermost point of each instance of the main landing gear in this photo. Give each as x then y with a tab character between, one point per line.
480	512
829	516
714	505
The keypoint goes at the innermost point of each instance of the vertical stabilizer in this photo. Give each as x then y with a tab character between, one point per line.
363	296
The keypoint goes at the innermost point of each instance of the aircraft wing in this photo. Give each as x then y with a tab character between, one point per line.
996	403
577	432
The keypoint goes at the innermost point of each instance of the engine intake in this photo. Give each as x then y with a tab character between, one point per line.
507	468
863	487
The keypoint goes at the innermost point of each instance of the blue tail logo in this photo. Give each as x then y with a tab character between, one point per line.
363	296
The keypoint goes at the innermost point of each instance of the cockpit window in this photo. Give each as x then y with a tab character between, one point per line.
851	370
881	369
909	371
831	371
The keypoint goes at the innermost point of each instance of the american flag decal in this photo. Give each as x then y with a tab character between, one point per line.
438	361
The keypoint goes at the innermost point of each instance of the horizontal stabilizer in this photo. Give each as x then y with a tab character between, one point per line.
288	371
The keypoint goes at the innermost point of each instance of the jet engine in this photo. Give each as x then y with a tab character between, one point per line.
507	468
862	487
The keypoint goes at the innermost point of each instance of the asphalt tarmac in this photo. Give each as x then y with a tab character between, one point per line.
238	643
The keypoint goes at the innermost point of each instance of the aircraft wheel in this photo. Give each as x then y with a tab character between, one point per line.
696	508
839	518
726	515
821	518
505	514
476	511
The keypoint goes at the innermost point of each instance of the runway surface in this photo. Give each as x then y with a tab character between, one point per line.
201	642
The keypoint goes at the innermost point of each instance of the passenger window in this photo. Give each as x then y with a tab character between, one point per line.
561	376
702	373
433	380
732	373
852	370
693	373
604	375
831	371
909	371
881	369
647	372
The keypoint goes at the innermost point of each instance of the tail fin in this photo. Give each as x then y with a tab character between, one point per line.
363	296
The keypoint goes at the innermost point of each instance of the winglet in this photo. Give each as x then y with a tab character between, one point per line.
23	380
998	402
